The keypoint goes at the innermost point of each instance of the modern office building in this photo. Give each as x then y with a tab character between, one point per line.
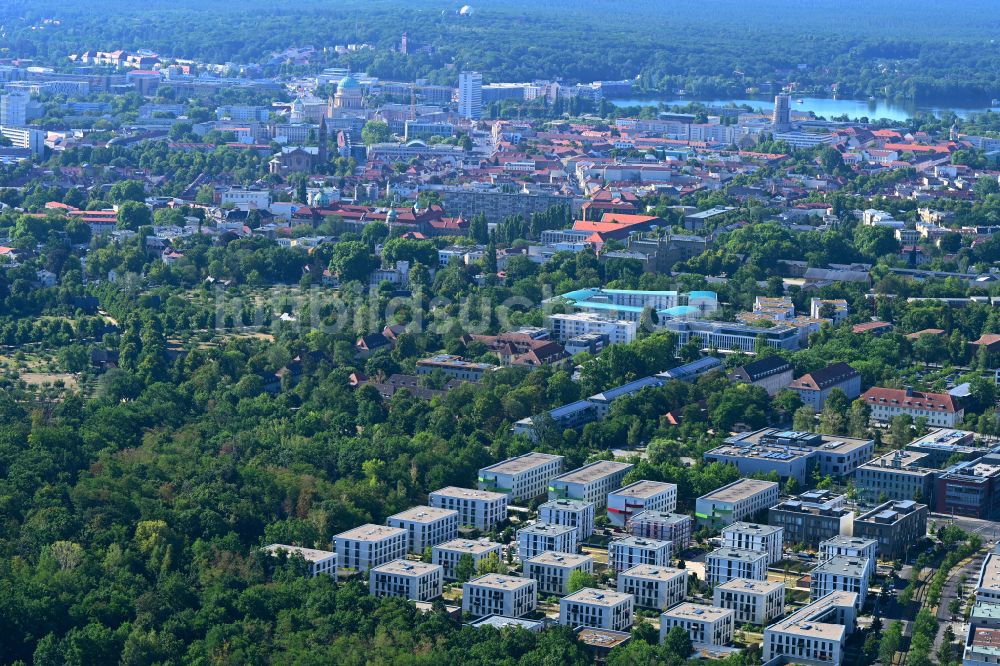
781	118
454	367
480	509
566	326
590	483
497	594
812	517
448	554
654	587
14	109
623	554
575	513
732	336
425	526
895	526
706	625
470	95
753	601
673	527
368	546
725	564
970	488
538	538
897	475
844	574
814	635
752	536
521	478
815	387
416	581
600	609
319	561
739	500
640	496
629	304
552	570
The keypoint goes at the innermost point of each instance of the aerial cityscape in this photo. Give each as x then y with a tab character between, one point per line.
431	333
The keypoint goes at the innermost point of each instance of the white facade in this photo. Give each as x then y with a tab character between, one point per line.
470	95
496	594
735	502
246	199
754	601
600	609
653	586
319	561
575	513
590	483
623	554
843	574
640	496
521	478
752	536
536	539
476	508
815	634
448	554
849	546
552	570
14	109
416	581
706	625
368	546
725	564
663	526
425	526
566	326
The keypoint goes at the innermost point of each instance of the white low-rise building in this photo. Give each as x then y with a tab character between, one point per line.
753	601
841	574
425	526
706	625
497	594
480	509
752	536
600	609
521	478
575	513
814	635
590	483
538	538
849	546
654	587
623	554
988	585
416	581
640	496
725	564
449	553
566	326
368	546
319	561
552	570
674	527
740	500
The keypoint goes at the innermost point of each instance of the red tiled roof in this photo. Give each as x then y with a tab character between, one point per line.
870	326
935	402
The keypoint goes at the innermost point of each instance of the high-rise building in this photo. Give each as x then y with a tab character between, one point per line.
470	95
782	117
14	109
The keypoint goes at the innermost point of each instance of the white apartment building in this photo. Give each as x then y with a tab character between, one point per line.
706	625
25	137
14	109
575	513
754	601
521	478
815	634
425	526
496	594
735	502
590	483
847	546
988	585
246	199
476	508
416	581
674	527
538	538
319	561
841	574
623	554
654	587
725	564
566	326
552	570
753	536
638	497
600	609
368	546
449	553
470	95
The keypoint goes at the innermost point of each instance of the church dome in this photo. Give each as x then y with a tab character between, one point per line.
391	216
348	83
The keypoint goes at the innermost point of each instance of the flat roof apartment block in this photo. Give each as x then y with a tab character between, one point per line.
600	609
725	564
894	525
988	585
416	581
674	527
654	587
521	478
541	537
590	483
638	497
575	513
848	546
449	553
552	570
497	594
753	536
425	526
319	561
739	500
844	574
368	546
480	509
631	551
754	601
706	625
814	635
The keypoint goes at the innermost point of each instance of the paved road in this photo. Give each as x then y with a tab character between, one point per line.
950	591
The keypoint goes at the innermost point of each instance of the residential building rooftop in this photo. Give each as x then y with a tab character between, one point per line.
521	463
752	528
470	546
308	554
469	493
593	471
371	532
406	567
852	567
740	490
804	622
556	559
652	572
689	611
749	585
589	595
423	514
501	582
740	554
643	489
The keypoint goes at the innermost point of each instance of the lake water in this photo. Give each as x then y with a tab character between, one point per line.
821	106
